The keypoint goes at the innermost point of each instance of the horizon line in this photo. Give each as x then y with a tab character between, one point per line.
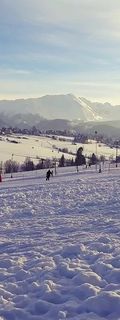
94	100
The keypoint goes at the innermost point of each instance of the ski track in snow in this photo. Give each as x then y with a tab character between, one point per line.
60	247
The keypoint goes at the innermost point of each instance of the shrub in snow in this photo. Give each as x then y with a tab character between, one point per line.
11	166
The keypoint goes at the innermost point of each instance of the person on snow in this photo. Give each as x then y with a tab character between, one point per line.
48	174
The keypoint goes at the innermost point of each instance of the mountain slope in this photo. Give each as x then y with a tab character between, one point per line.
67	107
49	107
104	111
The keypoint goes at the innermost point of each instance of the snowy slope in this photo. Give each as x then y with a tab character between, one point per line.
60	246
45	147
89	112
102	111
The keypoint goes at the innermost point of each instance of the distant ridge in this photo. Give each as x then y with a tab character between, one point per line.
68	107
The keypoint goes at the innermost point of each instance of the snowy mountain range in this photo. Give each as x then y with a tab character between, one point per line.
61	112
67	107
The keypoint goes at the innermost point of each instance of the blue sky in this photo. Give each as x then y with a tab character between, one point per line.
60	46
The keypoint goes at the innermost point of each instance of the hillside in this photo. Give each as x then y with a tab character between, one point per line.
38	147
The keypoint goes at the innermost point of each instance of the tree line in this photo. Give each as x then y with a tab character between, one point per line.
11	165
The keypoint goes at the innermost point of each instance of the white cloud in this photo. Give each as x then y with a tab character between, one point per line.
87	15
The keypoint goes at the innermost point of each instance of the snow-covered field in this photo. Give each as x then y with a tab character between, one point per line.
46	147
60	246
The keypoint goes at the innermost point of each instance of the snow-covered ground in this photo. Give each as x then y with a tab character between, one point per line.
60	246
46	147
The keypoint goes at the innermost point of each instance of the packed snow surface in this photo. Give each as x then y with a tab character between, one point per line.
60	246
